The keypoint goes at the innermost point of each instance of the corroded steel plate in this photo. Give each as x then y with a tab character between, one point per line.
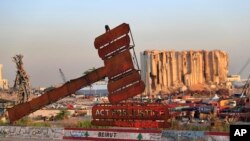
131	111
119	64
111	35
127	92
130	123
124	81
114	47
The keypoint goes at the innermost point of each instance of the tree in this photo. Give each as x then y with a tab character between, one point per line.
62	115
86	134
139	137
87	72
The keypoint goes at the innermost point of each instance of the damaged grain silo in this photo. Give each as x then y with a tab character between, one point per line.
167	71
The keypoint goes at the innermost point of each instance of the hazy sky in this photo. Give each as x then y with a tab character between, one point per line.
53	34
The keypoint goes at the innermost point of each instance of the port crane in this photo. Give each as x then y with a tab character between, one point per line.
124	82
244	66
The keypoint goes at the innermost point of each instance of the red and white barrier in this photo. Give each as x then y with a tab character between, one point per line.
111	134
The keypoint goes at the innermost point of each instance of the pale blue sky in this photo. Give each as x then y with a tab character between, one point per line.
53	34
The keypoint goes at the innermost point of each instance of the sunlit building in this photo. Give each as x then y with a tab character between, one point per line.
3	82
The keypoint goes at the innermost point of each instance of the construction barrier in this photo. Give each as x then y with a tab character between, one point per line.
111	134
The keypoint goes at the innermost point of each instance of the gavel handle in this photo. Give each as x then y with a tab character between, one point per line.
70	87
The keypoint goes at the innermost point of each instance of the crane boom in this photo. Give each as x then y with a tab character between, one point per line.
244	66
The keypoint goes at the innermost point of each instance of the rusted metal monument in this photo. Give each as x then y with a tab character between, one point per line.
125	82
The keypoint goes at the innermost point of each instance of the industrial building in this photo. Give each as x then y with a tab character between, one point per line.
165	70
3	82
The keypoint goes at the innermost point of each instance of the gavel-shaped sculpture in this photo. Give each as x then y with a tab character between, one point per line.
124	80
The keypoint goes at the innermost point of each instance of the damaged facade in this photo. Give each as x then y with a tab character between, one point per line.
168	70
3	82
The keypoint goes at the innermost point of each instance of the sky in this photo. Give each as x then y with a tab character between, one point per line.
53	34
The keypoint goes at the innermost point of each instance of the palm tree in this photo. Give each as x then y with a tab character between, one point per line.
87	72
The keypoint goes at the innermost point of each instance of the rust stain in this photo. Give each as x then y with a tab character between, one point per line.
113	47
111	35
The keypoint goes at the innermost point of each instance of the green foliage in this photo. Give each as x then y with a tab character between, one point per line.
62	114
3	122
174	125
28	122
23	121
195	127
89	70
40	124
85	124
226	127
219	127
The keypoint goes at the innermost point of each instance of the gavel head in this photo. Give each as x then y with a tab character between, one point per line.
114	48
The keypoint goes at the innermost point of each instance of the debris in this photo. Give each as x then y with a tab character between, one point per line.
22	81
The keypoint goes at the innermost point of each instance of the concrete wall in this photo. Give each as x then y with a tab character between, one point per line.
173	135
47	133
31	133
16	132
